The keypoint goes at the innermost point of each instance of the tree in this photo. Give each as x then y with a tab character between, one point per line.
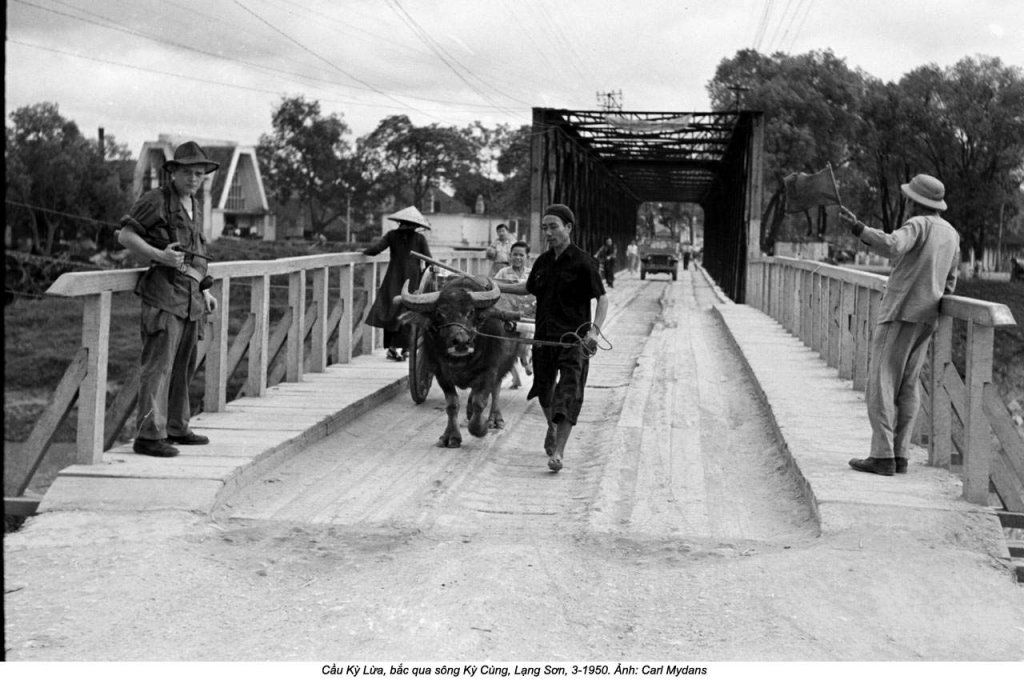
811	107
308	157
967	127
404	161
58	185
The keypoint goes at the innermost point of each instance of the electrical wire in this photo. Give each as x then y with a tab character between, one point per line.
329	62
446	58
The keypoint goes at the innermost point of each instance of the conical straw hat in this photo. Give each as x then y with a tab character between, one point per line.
412	216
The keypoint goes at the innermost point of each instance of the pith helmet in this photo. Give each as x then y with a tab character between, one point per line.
190	153
926	190
410	215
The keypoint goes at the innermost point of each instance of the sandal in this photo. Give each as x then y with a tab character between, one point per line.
393	355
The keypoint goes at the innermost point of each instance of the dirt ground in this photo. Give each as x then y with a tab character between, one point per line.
665	537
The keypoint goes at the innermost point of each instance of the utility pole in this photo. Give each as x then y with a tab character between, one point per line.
736	90
610	101
348	219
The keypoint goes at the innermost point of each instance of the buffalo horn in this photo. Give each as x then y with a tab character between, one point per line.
418	302
486	298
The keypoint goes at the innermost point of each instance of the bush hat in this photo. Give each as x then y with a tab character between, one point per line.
926	190
411	216
190	153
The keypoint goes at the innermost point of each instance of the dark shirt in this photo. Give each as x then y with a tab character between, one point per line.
564	288
159	218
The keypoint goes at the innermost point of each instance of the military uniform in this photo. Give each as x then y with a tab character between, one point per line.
173	311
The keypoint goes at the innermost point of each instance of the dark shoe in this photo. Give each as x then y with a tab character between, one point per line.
901	465
154	447
190	439
879	466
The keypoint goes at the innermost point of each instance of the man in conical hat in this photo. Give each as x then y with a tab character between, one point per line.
400	243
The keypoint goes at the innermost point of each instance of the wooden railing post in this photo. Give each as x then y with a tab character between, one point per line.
369	336
295	347
256	380
940	439
215	391
346	285
92	393
862	338
320	332
977	462
847	324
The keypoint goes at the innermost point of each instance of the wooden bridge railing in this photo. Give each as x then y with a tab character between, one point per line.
318	321
832	309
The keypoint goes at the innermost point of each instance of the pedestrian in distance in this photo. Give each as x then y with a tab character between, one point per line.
500	251
519	271
605	255
633	257
924	254
399	242
565	280
165	228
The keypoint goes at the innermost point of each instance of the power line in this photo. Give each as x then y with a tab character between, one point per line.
446	56
800	26
329	62
763	25
778	27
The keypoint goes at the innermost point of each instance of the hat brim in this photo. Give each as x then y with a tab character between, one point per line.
211	166
410	223
918	198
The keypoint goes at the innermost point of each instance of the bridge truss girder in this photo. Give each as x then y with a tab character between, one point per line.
604	164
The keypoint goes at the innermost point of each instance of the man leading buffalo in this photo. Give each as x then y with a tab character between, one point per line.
564	280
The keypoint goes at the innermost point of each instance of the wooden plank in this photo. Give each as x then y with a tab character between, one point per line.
92	393
20	506
942	363
1000	419
977	311
240	344
295	345
259	305
1007	485
833	328
57	408
979	372
346	288
847	324
215	391
121	409
321	330
862	339
1011	520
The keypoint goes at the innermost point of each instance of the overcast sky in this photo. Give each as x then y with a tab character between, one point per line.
216	69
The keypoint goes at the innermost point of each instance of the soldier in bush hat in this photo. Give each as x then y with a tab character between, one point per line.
165	229
924	254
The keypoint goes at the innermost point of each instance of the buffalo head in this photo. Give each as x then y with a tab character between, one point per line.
454	314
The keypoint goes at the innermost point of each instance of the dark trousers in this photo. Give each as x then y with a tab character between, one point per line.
398	339
559	377
168	363
609	272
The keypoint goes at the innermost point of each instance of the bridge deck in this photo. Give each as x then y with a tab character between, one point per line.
820	419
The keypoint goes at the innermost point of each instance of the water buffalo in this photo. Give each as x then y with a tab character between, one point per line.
456	322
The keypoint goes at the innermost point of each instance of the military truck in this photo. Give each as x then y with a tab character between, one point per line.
659	256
